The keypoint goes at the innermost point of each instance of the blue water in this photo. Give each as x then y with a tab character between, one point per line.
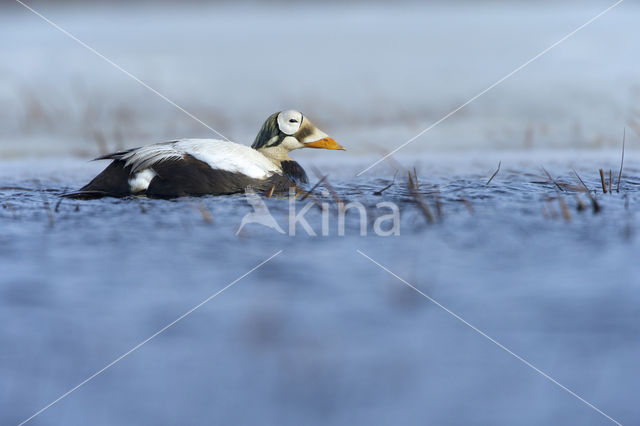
320	334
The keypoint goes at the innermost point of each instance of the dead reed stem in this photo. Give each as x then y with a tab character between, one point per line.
297	189
383	189
624	137
552	179
420	202
438	205
604	184
322	179
300	191
333	193
564	209
468	205
494	173
411	185
202	209
55	210
594	203
206	214
388	186
270	193
424	207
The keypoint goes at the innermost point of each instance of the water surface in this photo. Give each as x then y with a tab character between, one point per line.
320	334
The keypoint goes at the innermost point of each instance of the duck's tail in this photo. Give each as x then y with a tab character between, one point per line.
85	195
111	182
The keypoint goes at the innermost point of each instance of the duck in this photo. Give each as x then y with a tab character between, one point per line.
197	167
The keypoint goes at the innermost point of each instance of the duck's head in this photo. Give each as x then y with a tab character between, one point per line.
288	130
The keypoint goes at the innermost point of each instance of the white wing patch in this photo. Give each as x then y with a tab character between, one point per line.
147	156
141	180
218	154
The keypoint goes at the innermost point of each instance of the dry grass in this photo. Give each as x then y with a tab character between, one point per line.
270	192
563	208
199	206
385	188
495	173
313	188
553	180
580	205
412	186
438	204
594	202
604	185
624	138
468	205
423	206
328	186
418	198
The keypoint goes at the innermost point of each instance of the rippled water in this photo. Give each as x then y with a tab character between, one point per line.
320	334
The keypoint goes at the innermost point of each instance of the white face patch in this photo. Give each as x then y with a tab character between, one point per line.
289	121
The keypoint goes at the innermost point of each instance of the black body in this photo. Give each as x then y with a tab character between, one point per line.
294	171
185	177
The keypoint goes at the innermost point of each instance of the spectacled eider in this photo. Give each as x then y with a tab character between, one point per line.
209	166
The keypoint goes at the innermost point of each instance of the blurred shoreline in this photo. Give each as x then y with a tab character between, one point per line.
373	76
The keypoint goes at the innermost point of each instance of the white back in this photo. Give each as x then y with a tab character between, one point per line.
216	153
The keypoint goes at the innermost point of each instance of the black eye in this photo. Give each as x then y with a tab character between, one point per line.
293	120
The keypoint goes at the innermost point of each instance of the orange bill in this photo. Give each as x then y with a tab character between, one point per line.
326	143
